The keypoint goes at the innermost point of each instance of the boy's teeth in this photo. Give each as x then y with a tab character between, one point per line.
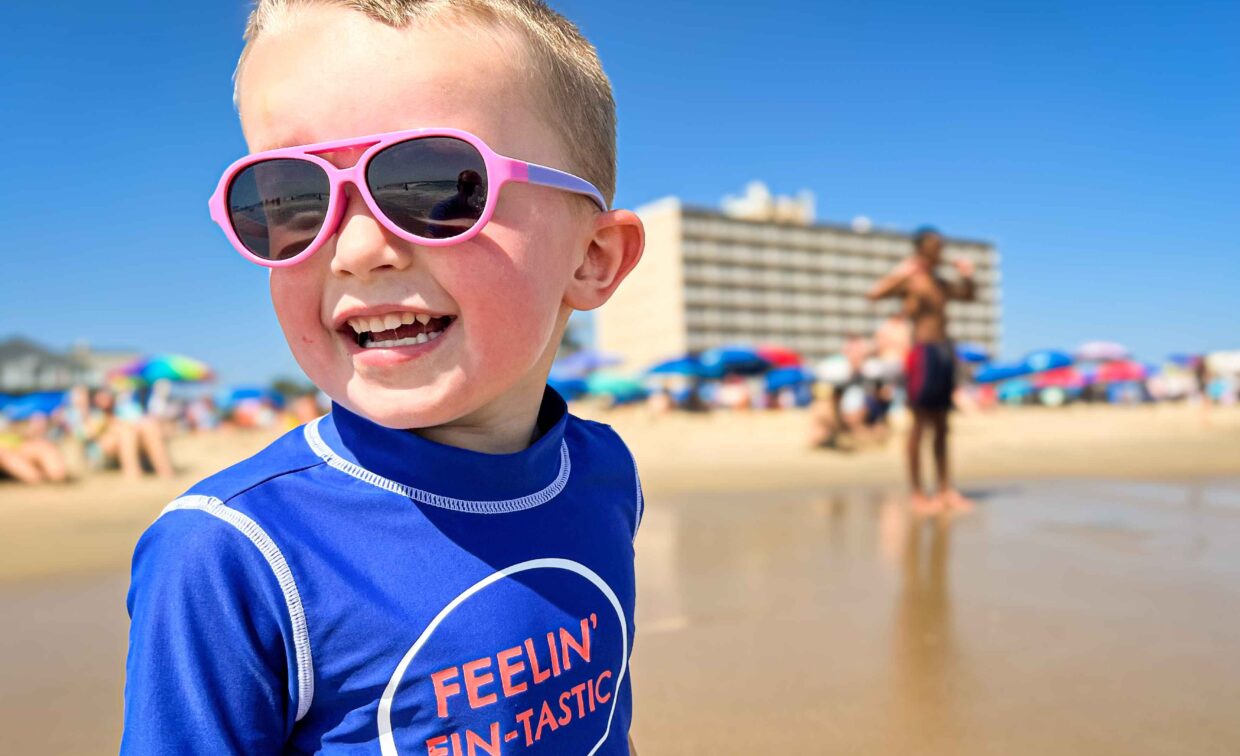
388	322
421	338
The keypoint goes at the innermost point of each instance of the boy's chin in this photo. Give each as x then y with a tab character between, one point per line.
400	409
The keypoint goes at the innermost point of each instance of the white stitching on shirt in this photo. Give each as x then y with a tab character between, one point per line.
499	506
641	501
284	576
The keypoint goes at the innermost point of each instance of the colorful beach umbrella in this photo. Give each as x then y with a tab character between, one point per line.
172	367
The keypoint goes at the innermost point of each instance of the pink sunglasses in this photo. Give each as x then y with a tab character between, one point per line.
434	187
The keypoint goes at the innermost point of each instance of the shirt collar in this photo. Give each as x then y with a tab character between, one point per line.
448	476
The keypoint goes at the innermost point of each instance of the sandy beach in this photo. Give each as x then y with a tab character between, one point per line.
96	522
788	602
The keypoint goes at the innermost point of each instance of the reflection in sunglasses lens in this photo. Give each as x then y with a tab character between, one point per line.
277	207
434	187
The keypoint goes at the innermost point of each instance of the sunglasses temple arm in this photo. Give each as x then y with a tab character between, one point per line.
544	176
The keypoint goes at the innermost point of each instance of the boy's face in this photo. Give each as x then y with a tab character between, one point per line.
328	73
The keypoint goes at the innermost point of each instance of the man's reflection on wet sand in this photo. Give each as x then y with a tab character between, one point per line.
923	643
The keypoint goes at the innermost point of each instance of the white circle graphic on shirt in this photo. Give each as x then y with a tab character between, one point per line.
387	742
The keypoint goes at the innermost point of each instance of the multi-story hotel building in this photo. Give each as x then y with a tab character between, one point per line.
765	272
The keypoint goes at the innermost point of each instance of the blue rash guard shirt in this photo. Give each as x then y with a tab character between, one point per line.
358	589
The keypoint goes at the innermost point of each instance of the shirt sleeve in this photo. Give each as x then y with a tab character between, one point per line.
208	669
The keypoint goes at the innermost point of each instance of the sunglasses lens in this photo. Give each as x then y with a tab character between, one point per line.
277	207
433	187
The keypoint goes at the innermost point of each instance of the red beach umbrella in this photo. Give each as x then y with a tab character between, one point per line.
779	356
1064	378
1121	371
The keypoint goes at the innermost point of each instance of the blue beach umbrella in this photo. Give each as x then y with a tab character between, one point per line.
686	365
735	359
1015	390
789	376
996	372
1047	359
43	402
569	388
969	352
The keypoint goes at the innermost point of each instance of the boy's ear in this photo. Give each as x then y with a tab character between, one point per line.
612	252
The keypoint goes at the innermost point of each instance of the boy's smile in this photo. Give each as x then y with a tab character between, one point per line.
412	336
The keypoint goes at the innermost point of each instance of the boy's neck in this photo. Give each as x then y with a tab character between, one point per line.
507	425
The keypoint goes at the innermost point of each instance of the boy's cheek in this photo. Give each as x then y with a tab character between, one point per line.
296	301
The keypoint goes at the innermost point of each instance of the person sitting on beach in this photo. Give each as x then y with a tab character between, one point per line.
930	371
27	455
116	431
444	562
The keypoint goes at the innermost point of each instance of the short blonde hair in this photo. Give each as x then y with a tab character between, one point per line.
577	91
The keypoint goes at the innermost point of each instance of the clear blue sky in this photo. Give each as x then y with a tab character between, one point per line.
1097	143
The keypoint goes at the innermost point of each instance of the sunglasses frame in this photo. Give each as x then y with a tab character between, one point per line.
500	170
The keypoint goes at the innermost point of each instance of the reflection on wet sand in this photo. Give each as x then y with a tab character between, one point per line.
1068	618
1073	618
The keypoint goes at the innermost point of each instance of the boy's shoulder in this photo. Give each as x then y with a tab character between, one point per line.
287	455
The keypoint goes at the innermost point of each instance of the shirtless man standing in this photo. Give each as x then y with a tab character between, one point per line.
930	369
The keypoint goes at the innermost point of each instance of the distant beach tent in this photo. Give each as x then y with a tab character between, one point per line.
1015	391
40	403
834	370
968	352
1184	359
1101	351
1224	363
684	365
778	356
172	367
621	388
735	359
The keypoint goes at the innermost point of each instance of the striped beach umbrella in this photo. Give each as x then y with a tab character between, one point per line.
173	367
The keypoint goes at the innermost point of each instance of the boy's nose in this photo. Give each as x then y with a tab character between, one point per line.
363	247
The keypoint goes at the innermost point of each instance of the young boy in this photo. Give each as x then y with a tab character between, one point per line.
930	371
443	564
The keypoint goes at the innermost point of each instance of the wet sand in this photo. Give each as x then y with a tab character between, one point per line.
788	603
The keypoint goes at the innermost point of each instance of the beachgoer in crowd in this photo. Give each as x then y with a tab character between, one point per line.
28	455
930	373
